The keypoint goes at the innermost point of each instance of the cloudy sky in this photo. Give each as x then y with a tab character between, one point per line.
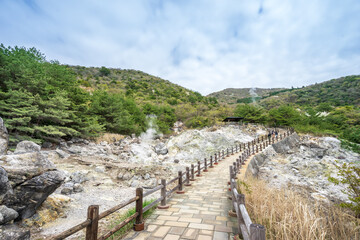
204	45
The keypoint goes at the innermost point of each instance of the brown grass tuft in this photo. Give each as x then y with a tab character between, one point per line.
288	215
109	137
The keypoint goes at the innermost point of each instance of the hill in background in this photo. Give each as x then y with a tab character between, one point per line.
242	95
337	92
140	86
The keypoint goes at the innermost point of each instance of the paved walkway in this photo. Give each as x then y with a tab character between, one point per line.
201	213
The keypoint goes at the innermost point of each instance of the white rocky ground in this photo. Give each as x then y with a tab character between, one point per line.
305	166
107	174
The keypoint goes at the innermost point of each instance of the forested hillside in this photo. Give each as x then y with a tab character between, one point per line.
242	95
328	108
43	100
337	92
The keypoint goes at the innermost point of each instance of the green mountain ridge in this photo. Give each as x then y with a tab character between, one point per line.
337	92
241	95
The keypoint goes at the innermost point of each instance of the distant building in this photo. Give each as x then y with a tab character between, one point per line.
232	120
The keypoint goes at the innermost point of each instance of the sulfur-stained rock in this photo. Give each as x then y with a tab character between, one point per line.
51	209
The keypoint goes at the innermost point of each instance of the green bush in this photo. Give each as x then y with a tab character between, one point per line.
104	71
349	174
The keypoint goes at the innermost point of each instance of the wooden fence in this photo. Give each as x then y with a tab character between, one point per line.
249	230
183	179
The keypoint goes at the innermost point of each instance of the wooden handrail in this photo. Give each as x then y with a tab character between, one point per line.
151	191
72	230
152	204
119	226
173	180
114	209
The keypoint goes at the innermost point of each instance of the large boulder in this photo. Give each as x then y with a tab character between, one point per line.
29	195
32	177
160	148
13	232
22	167
7	214
5	187
287	145
27	146
4	138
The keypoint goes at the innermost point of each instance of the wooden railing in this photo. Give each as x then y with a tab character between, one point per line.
183	179
249	230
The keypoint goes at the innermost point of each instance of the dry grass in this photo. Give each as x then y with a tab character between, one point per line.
109	137
287	215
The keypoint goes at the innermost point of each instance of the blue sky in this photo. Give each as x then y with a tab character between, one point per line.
202	45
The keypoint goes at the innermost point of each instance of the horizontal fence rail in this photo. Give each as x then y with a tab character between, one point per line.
183	179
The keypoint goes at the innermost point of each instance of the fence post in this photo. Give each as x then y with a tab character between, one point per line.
139	222
257	149
205	165
163	195
232	150
180	189
223	154
227	152
211	161
253	150
187	177
92	229
199	170
192	173
216	161
235	170
240	147
231	175
257	232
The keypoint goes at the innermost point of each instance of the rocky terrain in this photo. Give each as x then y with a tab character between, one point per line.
48	189
304	164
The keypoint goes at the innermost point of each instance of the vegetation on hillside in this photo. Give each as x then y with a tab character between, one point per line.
343	121
337	92
43	100
241	95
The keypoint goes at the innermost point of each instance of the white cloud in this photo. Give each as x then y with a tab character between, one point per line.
202	45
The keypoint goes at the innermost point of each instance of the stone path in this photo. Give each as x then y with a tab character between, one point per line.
201	213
